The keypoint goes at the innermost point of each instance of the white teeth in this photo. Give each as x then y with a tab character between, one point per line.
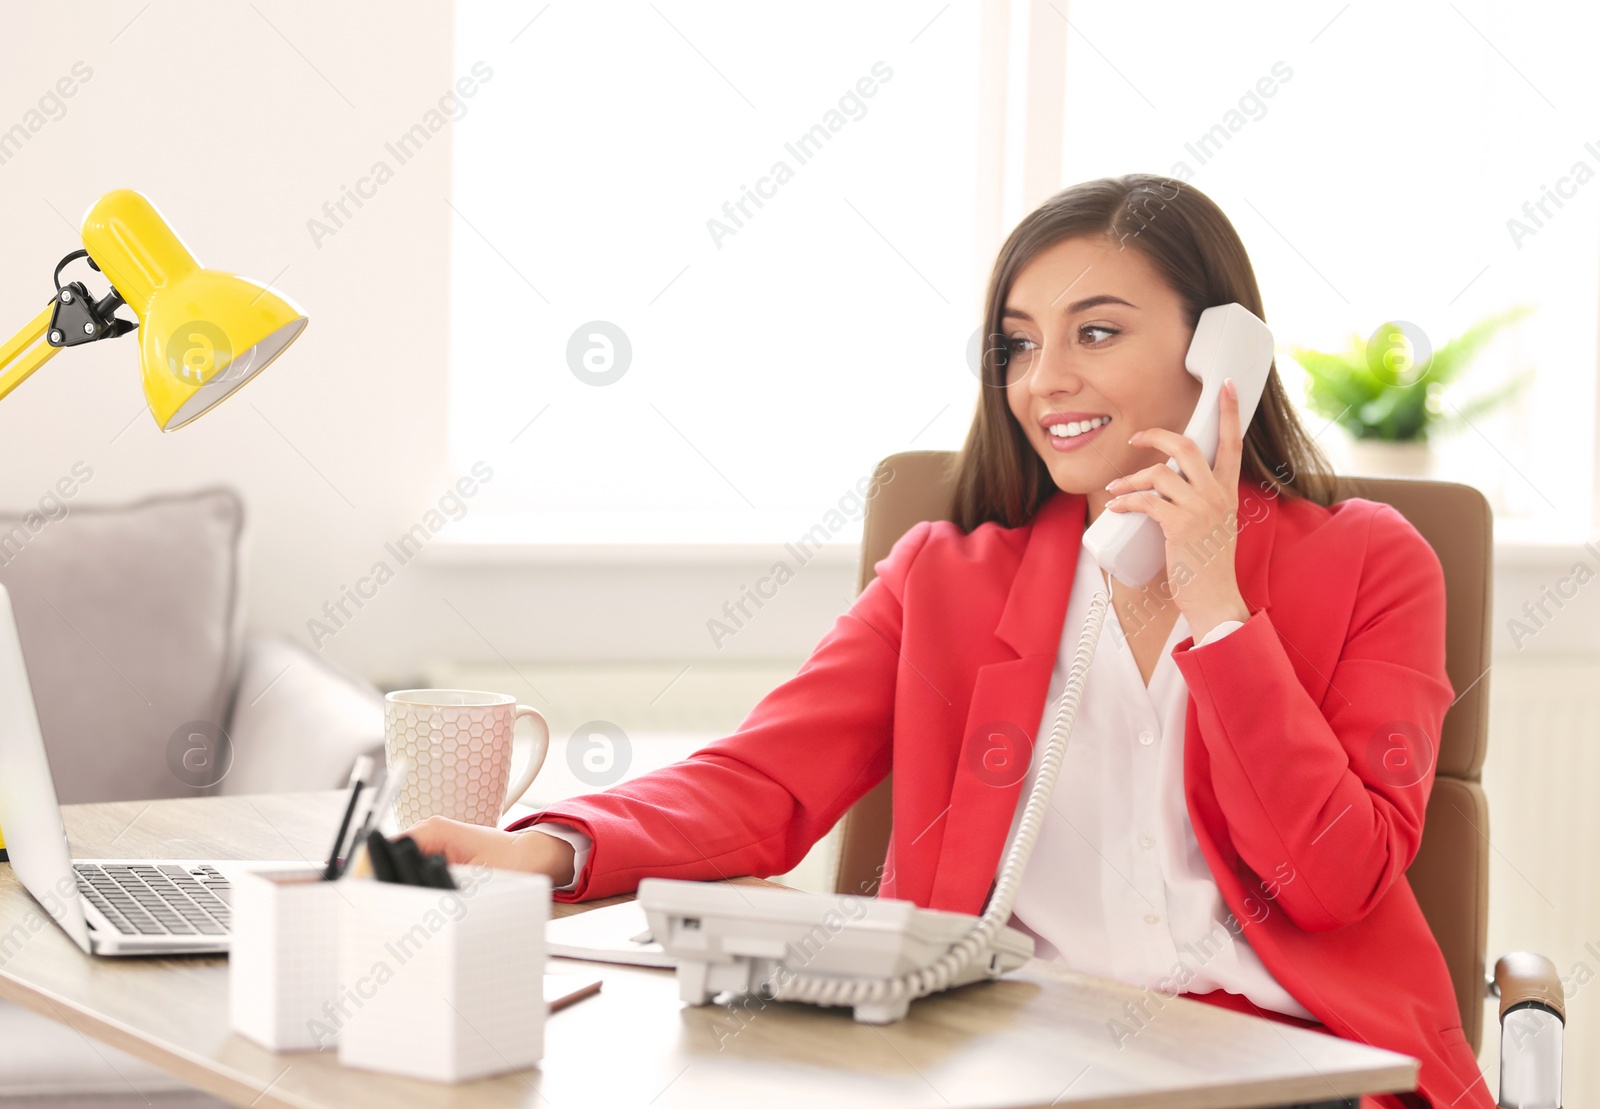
1075	428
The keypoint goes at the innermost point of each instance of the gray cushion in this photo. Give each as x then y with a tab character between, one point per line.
131	622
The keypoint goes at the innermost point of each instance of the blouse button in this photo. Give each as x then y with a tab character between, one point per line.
1147	737
1151	918
1147	841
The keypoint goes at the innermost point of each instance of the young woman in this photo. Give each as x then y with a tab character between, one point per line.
1246	779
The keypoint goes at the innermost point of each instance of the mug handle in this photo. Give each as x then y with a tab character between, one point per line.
541	738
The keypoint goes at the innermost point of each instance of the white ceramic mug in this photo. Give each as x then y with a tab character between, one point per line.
458	743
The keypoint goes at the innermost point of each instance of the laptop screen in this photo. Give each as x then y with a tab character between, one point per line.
29	814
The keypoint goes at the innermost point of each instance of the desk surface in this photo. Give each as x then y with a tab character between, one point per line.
1037	1037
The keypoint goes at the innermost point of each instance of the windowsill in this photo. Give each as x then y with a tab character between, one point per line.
623	539
1517	545
1520	545
447	552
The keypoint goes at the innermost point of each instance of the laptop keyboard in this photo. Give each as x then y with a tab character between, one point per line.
158	899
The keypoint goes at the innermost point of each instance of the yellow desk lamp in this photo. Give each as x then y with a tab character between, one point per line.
202	333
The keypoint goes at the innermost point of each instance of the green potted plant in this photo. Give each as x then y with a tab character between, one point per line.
1387	391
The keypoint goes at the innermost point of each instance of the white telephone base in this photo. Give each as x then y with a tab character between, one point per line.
741	939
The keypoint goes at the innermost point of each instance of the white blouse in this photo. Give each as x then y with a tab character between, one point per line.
1116	884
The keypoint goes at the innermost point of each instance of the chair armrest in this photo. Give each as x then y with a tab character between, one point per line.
1533	1014
297	722
1523	976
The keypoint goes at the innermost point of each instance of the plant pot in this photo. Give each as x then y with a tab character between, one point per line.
1388	458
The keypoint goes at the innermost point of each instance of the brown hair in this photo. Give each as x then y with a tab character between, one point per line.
1186	237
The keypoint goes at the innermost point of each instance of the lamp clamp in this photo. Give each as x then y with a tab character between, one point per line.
78	318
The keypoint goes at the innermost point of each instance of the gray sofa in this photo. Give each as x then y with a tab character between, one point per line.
131	620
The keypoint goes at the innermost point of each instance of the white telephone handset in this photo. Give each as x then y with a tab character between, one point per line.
1229	341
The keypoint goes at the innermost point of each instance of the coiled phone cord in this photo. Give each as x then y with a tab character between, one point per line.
818	989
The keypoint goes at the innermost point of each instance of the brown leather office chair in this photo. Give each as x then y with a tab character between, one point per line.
1450	875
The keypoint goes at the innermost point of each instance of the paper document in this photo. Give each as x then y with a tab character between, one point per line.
614	934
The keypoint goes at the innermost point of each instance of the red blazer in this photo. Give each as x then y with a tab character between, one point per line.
1302	799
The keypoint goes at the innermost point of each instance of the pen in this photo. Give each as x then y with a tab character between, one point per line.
359	774
362	792
392	781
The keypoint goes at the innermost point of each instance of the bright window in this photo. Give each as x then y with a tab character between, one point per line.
775	359
772	207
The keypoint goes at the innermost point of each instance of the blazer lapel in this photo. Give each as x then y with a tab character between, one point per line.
996	743
1007	700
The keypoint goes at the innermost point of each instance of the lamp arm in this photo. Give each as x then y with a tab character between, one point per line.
73	317
23	353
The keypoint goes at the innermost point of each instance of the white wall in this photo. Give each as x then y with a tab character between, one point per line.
239	139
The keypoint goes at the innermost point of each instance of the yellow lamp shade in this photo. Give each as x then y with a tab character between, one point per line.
202	333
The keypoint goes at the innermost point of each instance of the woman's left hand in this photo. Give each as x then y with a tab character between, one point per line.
1198	513
477	845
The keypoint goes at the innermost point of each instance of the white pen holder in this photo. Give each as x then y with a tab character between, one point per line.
283	958
443	984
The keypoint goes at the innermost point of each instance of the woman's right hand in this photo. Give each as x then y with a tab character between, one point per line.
474	844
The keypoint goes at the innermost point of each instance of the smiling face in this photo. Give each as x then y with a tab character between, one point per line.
1095	337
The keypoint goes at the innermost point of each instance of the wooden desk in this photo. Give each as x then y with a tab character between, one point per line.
1038	1037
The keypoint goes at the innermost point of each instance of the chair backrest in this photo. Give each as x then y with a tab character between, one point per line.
1450	875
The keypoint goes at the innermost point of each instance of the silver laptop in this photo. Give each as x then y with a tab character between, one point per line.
107	906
